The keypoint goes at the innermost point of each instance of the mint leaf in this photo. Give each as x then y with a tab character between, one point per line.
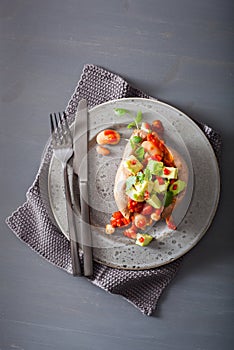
136	139
140	153
131	180
120	111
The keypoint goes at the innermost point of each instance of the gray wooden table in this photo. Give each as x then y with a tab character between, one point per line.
179	51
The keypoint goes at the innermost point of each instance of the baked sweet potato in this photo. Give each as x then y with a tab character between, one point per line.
154	149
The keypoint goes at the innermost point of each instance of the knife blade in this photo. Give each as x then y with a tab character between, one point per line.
80	169
80	141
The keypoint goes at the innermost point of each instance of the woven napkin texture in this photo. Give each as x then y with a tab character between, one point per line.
32	224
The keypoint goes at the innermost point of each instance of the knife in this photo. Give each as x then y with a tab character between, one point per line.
80	170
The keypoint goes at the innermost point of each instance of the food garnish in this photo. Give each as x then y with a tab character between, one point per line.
151	181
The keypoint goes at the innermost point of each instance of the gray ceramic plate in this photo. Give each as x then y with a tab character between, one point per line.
194	216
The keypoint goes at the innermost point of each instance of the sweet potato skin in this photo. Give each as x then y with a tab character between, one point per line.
122	174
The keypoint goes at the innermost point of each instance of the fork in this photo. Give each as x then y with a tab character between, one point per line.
62	144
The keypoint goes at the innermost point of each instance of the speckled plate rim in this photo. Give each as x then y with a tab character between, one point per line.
217	184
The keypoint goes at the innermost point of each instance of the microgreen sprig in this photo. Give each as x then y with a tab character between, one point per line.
120	112
136	121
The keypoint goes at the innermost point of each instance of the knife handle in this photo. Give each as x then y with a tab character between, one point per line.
86	234
76	266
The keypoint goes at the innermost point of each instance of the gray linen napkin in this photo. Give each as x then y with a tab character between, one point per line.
32	224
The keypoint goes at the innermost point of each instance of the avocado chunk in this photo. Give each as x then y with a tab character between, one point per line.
154	201
177	187
133	164
138	190
143	239
155	167
134	195
141	187
170	172
159	188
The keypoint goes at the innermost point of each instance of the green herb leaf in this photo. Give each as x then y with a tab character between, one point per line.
140	176
136	121
168	198
138	118
136	139
148	175
133	145
131	180
140	153
131	125
120	111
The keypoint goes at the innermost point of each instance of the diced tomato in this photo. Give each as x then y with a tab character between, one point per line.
113	222
135	207
157	157
118	220
126	221
166	171
117	215
141	239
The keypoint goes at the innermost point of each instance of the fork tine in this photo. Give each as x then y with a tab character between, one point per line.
60	119
51	124
64	116
56	120
67	126
64	131
65	120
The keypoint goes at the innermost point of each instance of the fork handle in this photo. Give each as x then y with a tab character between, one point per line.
76	265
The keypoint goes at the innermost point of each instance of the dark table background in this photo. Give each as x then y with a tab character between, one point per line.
178	51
